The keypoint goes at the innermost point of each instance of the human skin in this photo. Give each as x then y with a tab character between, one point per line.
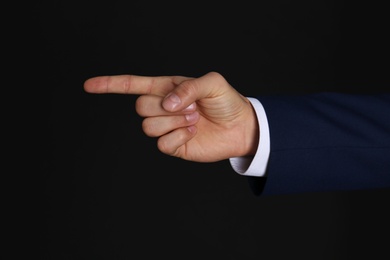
201	119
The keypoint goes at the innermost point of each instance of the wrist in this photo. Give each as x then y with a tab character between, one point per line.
252	133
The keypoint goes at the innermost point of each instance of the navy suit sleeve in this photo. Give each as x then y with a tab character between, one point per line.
326	142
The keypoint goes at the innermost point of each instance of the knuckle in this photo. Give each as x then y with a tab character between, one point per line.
141	106
188	87
148	127
163	146
127	84
138	105
215	76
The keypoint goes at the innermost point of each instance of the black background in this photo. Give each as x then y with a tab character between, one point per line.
108	193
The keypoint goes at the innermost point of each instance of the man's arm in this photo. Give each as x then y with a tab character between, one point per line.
326	142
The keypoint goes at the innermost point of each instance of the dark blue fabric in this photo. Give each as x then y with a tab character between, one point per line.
326	142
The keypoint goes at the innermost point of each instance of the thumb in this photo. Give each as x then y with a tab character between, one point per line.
191	90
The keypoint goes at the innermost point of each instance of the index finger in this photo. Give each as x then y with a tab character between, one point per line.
132	84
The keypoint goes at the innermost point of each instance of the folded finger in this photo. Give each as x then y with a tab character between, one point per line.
174	142
161	125
150	105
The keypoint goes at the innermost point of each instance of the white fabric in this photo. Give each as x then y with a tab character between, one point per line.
257	165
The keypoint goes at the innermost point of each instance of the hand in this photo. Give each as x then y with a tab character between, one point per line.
198	119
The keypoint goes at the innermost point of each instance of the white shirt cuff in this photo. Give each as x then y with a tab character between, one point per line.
257	165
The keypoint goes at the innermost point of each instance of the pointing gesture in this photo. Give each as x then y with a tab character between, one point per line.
198	119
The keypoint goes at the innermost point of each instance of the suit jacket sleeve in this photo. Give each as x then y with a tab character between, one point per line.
326	142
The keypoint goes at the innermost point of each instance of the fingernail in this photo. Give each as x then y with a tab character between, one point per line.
191	107
171	101
192	129
192	117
